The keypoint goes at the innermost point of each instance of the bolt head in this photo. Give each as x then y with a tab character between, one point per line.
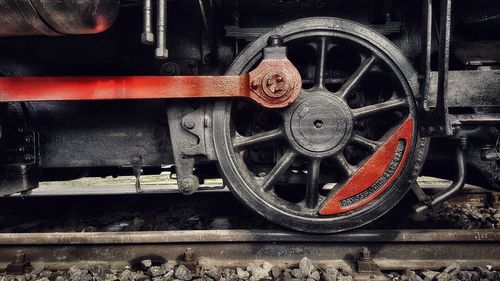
189	123
147	38
254	85
275	85
275	40
170	68
187	185
20	256
161	53
365	253
188	255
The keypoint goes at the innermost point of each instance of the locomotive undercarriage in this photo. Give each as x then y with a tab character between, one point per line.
390	90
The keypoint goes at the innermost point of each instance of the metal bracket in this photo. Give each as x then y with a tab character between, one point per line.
19	145
188	131
435	122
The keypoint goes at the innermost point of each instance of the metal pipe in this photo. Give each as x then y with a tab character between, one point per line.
455	187
147	37
161	50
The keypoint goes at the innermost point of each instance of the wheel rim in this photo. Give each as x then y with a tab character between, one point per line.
311	137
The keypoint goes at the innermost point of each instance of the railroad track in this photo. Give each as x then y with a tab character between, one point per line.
389	249
238	245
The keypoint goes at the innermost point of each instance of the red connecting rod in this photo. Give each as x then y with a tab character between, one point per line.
275	83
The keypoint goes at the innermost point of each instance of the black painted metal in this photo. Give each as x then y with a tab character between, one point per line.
101	134
45	17
469	88
435	121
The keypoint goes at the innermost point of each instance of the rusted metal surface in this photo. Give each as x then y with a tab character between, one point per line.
275	82
189	259
18	265
391	249
365	263
262	90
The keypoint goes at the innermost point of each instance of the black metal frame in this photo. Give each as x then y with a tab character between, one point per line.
435	122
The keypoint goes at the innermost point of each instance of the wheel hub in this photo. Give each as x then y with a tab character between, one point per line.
319	124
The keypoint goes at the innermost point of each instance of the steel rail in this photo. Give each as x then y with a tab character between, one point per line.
391	249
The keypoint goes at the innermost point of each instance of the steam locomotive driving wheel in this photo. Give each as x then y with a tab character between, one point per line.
346	151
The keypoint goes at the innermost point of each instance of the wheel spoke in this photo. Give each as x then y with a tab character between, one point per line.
348	168
370	144
281	167
319	75
356	77
242	142
312	192
374	109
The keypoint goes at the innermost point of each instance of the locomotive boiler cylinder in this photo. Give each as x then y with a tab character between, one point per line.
53	18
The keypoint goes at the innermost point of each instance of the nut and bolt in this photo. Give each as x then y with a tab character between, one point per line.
147	38
365	254
20	256
18	265
275	40
170	68
254	85
189	123
189	255
275	84
185	185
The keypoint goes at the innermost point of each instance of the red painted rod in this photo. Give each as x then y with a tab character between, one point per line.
16	89
273	83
